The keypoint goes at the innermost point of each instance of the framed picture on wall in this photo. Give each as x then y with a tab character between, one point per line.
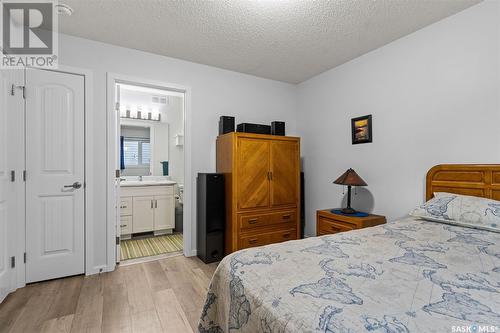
361	128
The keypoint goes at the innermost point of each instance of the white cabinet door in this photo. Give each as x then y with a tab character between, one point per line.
55	120
164	212
143	213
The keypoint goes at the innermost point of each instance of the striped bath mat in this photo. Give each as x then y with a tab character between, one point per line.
152	246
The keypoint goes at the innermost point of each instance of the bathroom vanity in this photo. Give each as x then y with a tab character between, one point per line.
147	206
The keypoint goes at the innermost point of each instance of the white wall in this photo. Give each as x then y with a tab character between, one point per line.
175	118
434	97
214	92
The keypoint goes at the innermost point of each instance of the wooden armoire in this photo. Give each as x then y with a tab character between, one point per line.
262	180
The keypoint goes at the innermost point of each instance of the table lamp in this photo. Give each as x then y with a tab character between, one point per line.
349	178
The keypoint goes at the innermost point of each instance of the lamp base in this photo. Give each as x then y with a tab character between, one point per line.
348	210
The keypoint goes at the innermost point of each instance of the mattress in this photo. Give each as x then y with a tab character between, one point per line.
409	275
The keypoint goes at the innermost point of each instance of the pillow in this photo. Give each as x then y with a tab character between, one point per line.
463	210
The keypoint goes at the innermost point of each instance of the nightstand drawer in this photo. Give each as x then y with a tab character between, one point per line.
328	222
327	226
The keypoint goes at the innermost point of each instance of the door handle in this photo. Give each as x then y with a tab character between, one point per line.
75	185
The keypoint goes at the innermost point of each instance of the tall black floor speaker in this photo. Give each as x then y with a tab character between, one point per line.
211	216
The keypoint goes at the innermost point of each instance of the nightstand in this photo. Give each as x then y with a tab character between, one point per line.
330	223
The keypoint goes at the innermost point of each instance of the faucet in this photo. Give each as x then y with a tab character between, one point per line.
140	178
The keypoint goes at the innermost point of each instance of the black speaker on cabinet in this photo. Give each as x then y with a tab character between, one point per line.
211	216
253	128
226	124
278	128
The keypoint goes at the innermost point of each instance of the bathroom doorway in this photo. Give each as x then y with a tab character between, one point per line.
150	159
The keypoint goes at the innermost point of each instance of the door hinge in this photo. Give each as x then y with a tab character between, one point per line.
12	262
24	257
13	88
24	175
12	175
117	240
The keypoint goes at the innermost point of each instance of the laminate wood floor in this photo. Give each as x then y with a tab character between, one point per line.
158	296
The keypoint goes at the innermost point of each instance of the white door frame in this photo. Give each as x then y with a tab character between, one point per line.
113	78
88	180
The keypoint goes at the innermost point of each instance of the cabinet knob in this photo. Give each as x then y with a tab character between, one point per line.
252	241
253	221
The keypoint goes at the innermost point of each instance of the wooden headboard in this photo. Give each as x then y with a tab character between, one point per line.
479	180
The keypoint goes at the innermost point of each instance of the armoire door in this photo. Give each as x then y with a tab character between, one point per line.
285	173
55	159
253	173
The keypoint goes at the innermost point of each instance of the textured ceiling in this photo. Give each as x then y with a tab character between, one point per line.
287	40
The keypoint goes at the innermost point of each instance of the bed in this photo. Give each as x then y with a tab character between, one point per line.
409	275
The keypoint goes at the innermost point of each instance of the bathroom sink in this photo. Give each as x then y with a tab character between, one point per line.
147	183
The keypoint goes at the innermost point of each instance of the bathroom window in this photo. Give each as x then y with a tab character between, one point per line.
136	152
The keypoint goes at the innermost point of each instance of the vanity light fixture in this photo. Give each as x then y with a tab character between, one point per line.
139	113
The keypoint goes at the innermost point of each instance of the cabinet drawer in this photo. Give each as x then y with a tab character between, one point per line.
327	226
282	236
253	221
255	240
267	238
250	221
126	225
283	217
126	206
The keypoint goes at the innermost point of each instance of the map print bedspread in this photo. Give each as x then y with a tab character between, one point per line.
406	276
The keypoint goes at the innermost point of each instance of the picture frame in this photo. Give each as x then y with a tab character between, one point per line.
361	129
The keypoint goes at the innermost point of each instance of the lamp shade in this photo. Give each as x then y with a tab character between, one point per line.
350	178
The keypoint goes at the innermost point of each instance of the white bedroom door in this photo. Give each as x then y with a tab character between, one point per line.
54	175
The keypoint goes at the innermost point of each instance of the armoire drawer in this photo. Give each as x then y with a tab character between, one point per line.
288	216
282	236
250	221
125	206
267	238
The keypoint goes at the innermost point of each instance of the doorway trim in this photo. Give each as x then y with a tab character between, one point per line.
111	153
